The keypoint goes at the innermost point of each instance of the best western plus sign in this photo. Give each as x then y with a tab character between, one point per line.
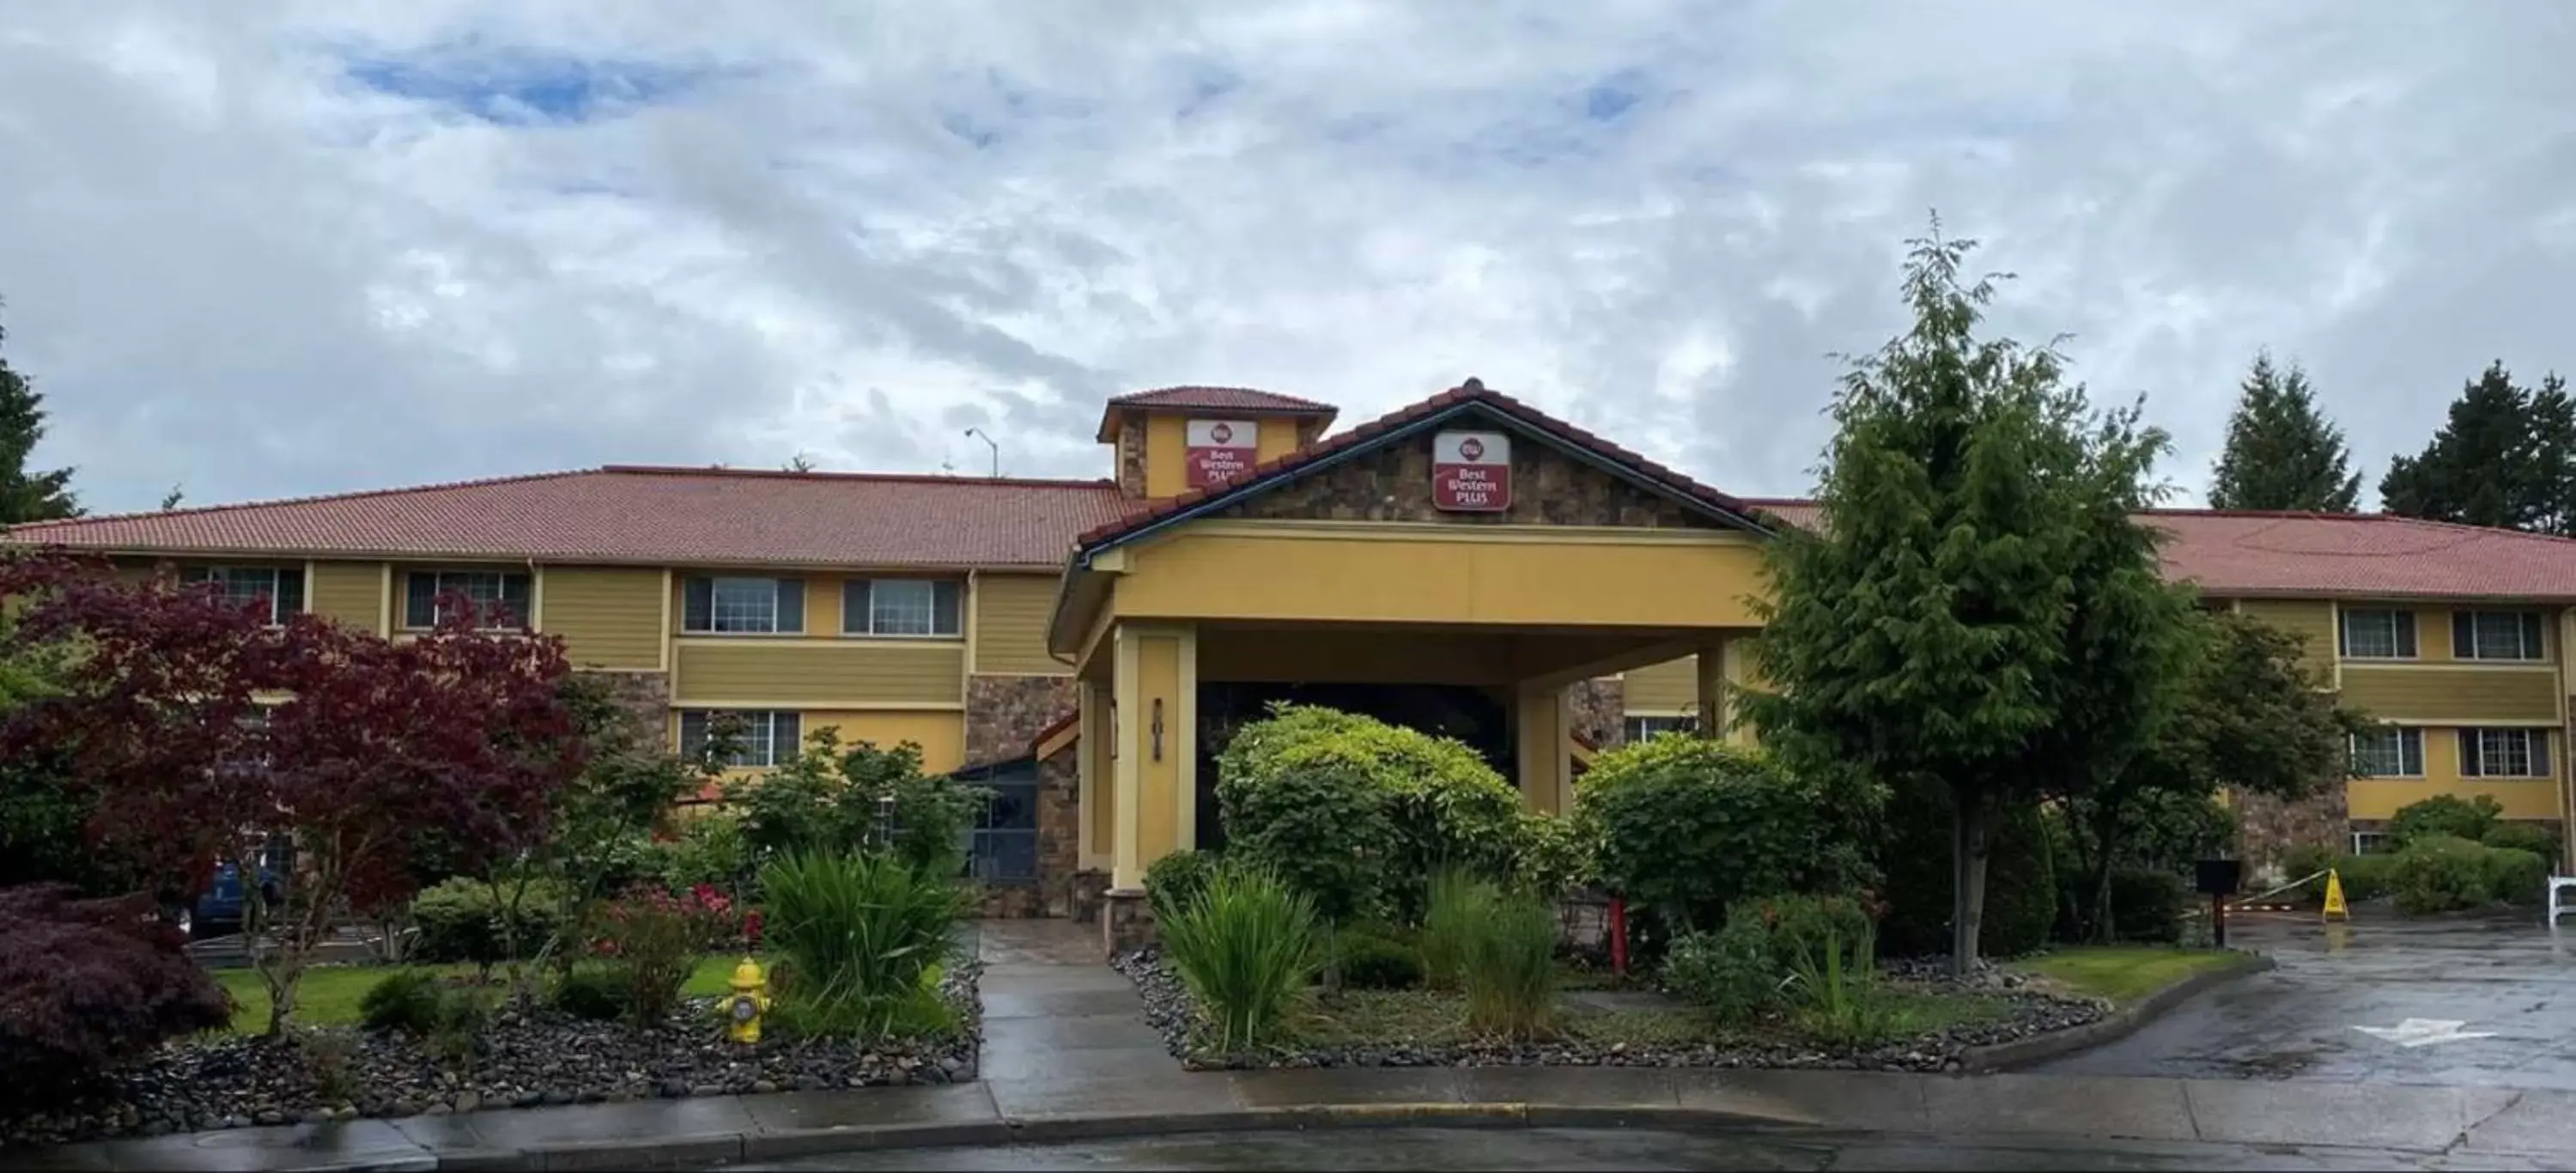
1471	472
1217	451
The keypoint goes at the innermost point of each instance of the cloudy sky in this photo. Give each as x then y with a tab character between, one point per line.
268	247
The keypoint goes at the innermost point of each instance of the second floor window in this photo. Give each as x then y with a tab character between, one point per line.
2497	635
744	606
2504	753
2390	751
281	591
899	606
501	597
2378	635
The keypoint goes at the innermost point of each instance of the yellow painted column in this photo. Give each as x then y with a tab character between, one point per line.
1546	755
1739	670
1715	705
1157	769
1091	772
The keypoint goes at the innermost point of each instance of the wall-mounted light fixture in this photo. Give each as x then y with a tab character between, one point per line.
1158	729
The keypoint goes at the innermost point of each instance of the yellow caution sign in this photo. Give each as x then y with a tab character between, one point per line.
2334	897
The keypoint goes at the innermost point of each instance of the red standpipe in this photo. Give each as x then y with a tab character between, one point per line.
1619	936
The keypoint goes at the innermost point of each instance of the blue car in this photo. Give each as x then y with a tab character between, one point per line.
224	904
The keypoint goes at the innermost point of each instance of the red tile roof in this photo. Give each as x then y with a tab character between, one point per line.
2283	554
1472	391
628	514
1223	399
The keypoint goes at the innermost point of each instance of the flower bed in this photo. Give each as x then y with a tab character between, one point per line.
523	1060
1419	1029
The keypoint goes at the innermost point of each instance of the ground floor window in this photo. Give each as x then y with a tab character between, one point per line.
1003	847
2504	753
2365	842
752	738
1642	728
2390	751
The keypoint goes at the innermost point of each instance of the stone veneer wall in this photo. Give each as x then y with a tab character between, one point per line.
2268	827
1131	456
646	695
1058	888
1006	713
1601	712
1394	484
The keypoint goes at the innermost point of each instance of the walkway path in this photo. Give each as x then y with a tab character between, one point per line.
1067	1056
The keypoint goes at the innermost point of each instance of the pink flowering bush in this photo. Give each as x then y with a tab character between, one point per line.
652	939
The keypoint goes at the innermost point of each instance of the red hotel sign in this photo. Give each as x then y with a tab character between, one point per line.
1471	472
1218	451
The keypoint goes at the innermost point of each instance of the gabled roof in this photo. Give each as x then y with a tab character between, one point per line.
1234	400
641	515
2280	554
1469	398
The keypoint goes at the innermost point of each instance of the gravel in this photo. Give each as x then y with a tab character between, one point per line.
522	1060
2030	1012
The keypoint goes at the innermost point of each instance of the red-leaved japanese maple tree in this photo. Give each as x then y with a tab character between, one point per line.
205	731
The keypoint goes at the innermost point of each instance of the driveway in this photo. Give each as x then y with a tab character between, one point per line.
2509	985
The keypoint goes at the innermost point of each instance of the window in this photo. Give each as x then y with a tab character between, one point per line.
1644	728
899	606
2390	751
281	590
2504	753
1004	845
744	606
2497	635
2378	635
2366	842
499	596
761	738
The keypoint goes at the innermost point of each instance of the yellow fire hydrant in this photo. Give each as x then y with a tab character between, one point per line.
750	1001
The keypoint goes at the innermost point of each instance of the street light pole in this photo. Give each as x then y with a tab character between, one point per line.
979	434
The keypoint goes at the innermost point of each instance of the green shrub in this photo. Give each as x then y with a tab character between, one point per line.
1372	962
1304	800
2021	884
460	920
1458	902
1175	880
1510	971
407	999
1837	982
710	849
864	937
2305	859
2147	904
1553	856
2522	836
2364	877
1729	973
2440	873
593	991
2444	814
1246	949
2515	876
1685	825
832	798
653	939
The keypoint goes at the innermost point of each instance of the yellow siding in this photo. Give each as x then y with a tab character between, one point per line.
608	617
1665	690
1158	676
2312	620
1011	613
352	593
941	736
2402	693
792	672
2522	798
1167	443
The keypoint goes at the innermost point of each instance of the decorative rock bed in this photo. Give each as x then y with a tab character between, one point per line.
522	1061
2029	1012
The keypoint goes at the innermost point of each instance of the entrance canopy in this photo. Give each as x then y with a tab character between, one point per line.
1466	542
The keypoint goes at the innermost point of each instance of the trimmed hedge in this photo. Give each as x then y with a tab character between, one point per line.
1685	826
2445	873
460	921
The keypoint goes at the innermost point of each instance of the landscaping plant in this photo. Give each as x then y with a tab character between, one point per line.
1684	825
652	940
1246	948
1509	971
836	798
1837	984
88	984
2444	814
407	999
1174	881
1458	906
1304	804
1370	961
1729	973
2517	836
863	937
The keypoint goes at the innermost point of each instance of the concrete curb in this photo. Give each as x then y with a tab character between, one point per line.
2119	1024
726	1148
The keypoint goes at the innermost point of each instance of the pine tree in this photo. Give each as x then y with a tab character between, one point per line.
2506	456
26	496
1975	558
2282	453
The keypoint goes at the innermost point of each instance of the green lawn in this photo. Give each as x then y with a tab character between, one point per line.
2125	973
1428	1018
329	996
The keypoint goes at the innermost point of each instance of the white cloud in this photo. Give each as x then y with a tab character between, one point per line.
290	246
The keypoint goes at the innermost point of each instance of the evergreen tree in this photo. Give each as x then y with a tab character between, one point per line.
1975	527
24	495
2282	453
2506	456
